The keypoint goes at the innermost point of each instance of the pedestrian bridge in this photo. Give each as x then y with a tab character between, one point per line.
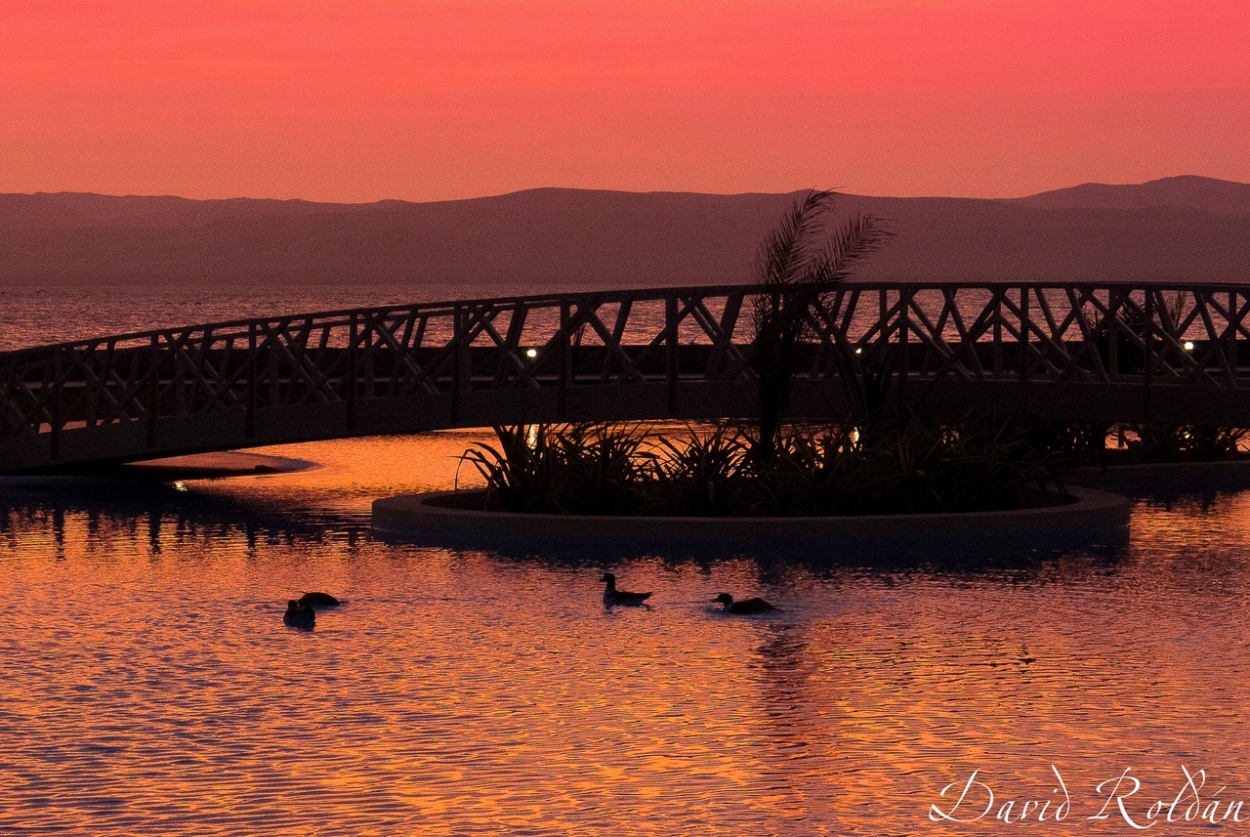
1099	353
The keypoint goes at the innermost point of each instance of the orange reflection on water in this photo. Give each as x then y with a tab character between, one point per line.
151	688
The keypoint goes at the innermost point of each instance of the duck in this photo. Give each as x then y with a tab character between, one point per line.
299	616
318	599
745	606
612	596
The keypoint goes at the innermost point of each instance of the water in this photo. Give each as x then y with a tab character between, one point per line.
150	688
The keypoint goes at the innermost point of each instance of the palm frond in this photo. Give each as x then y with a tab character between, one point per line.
854	241
787	253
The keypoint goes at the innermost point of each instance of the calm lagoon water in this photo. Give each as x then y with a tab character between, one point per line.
150	687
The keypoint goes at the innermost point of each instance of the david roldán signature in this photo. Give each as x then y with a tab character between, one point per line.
975	800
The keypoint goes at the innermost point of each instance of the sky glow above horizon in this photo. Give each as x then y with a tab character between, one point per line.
373	99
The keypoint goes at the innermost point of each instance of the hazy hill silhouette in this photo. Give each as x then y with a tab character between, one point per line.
1185	192
1185	229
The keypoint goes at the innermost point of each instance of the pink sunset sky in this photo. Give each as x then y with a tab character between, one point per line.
357	100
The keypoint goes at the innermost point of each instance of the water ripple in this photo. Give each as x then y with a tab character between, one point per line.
151	688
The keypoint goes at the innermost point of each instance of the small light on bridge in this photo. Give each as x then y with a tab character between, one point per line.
531	353
1189	345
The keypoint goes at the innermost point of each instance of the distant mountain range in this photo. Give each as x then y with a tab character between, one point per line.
1180	228
1187	192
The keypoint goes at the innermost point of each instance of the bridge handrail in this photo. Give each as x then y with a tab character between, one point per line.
432	308
342	315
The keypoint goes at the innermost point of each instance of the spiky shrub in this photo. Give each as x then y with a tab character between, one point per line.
582	468
812	468
987	462
523	473
604	467
901	464
906	465
1211	442
703	472
1188	442
1069	443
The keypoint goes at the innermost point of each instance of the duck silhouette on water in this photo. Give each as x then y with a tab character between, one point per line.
612	596
318	599
744	606
299	616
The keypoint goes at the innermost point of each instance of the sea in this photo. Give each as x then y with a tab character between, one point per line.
149	686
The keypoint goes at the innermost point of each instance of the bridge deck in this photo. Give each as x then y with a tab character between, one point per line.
1112	353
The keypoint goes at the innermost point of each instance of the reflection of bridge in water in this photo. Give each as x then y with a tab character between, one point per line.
1113	353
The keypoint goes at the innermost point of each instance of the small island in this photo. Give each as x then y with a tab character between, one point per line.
881	470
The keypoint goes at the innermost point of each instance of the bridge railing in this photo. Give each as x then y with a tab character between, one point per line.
1186	337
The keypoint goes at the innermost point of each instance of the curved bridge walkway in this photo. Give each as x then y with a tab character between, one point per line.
1104	353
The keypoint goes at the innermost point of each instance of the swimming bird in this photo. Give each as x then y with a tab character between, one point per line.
318	600
612	596
299	616
745	606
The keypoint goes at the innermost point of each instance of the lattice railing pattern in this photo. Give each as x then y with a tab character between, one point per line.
1183	336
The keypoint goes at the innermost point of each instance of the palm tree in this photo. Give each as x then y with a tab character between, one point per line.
799	263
